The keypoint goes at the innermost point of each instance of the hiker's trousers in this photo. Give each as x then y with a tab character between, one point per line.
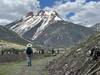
29	60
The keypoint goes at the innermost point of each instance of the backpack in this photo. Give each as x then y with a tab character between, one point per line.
29	51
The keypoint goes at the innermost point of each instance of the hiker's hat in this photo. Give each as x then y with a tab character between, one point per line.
29	45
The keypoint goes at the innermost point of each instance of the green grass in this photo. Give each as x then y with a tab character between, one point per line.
5	45
10	68
9	44
20	68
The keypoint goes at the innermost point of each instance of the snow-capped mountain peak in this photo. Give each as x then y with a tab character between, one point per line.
48	29
31	20
47	17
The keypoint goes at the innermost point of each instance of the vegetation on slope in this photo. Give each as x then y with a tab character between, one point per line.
8	45
78	61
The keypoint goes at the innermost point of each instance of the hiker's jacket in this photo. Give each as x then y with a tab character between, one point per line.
29	51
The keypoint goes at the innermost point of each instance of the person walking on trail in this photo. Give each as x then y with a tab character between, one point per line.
29	53
53	52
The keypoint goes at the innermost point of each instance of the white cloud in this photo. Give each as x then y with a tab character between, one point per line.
11	10
86	14
89	15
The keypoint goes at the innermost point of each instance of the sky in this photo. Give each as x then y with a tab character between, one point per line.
83	12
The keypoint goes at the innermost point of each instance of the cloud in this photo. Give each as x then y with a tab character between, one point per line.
86	13
4	21
11	10
89	15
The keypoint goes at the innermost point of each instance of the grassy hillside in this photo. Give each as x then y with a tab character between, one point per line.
8	45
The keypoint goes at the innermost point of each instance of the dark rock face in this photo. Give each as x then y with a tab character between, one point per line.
63	34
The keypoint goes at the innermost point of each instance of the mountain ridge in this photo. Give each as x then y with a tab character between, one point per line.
8	35
34	27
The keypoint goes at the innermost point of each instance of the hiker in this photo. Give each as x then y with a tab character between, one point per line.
2	52
29	53
53	52
42	51
95	53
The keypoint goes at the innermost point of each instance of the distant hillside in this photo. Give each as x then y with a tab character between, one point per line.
5	45
8	35
78	61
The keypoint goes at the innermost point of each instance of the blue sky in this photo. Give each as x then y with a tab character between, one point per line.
50	3
85	12
92	0
44	3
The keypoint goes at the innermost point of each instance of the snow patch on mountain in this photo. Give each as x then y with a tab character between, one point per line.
30	21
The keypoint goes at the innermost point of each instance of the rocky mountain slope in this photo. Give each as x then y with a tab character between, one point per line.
63	34
49	29
8	35
96	27
77	61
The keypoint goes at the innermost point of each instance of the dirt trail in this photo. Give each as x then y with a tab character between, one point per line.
33	70
37	68
20	68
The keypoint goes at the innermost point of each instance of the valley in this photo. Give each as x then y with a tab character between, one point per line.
59	47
